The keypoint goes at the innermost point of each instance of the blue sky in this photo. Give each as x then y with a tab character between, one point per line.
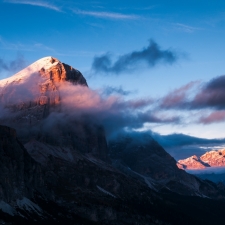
149	49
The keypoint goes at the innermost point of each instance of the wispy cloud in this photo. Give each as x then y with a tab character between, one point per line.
147	7
35	46
151	55
109	90
44	47
106	15
210	95
12	46
208	98
214	117
13	65
178	97
185	28
35	3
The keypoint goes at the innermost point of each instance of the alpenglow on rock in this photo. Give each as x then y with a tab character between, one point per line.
209	159
38	83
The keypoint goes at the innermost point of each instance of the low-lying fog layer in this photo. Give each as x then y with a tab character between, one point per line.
209	170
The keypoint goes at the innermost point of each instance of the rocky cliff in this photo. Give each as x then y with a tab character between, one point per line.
209	159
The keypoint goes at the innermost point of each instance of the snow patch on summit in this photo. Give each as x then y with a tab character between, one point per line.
46	63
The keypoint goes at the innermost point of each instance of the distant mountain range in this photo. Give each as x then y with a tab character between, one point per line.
59	168
209	159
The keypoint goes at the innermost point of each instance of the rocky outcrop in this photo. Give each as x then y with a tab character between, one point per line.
28	96
61	72
36	88
209	159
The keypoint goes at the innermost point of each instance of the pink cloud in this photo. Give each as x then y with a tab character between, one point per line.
178	96
214	117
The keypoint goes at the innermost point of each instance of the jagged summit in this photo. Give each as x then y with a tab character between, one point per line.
49	68
29	96
38	84
209	159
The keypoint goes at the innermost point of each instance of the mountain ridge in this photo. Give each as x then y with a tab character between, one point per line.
64	161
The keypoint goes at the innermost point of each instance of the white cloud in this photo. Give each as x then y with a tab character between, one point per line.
185	28
106	15
35	3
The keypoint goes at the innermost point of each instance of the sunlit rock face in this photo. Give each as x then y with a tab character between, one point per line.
37	87
209	159
192	162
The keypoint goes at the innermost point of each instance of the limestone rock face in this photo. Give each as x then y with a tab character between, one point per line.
17	170
192	162
38	85
209	159
214	158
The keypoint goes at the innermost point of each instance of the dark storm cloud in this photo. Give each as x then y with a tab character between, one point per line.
179	146
151	55
13	65
211	95
182	146
179	140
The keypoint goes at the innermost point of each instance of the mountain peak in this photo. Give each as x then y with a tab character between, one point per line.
47	68
39	82
209	159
